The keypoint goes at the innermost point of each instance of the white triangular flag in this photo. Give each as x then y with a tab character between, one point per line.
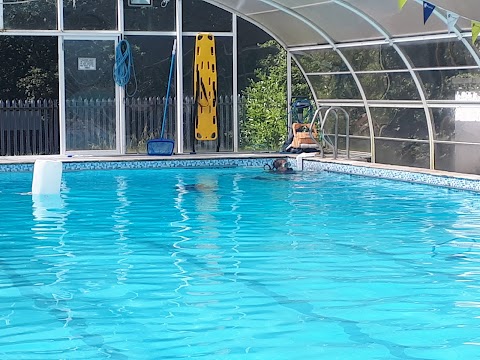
452	19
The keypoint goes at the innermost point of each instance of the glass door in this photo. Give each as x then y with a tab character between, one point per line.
91	98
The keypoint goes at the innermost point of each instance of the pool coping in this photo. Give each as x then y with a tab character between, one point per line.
439	178
305	162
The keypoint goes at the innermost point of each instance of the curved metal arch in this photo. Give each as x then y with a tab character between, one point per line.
327	37
277	39
413	74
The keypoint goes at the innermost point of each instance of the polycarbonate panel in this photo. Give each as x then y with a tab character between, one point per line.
149	18
345	25
357	121
458	158
355	145
340	23
90	15
403	153
202	17
465	8
362	145
292	31
454	85
31	15
443	123
461	124
29	71
152	56
401	123
324	60
335	87
244	7
249	53
389	86
434	53
379	57
405	22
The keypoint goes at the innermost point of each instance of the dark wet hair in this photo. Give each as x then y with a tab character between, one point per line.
278	163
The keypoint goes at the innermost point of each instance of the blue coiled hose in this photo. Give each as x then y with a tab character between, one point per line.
123	68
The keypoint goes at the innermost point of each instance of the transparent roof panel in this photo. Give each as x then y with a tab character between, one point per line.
389	86
342	24
401	123
315	61
292	31
292	21
338	86
408	21
437	53
466	8
452	85
244	7
374	58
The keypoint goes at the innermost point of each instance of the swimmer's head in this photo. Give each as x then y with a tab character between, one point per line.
281	165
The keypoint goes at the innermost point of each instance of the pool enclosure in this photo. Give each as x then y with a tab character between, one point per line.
405	72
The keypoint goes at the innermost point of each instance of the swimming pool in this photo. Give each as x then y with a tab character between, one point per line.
141	264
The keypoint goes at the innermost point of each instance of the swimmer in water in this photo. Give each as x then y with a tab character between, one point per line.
280	166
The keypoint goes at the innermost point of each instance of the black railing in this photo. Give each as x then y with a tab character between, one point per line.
29	127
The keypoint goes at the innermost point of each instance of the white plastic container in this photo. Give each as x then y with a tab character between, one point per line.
47	177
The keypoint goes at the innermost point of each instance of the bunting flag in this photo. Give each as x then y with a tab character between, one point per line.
427	11
401	4
475	31
452	19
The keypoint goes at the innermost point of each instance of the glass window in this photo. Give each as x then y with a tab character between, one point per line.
389	86
403	123
456	85
358	126
358	121
204	17
29	67
335	87
403	153
152	57
250	52
380	57
90	15
460	124
35	15
320	61
435	53
458	158
150	18
444	123
144	108
361	145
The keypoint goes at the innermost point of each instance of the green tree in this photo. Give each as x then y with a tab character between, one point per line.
265	125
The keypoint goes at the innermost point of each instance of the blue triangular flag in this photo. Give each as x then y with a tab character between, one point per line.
427	11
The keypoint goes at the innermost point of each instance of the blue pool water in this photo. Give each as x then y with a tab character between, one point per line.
140	265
